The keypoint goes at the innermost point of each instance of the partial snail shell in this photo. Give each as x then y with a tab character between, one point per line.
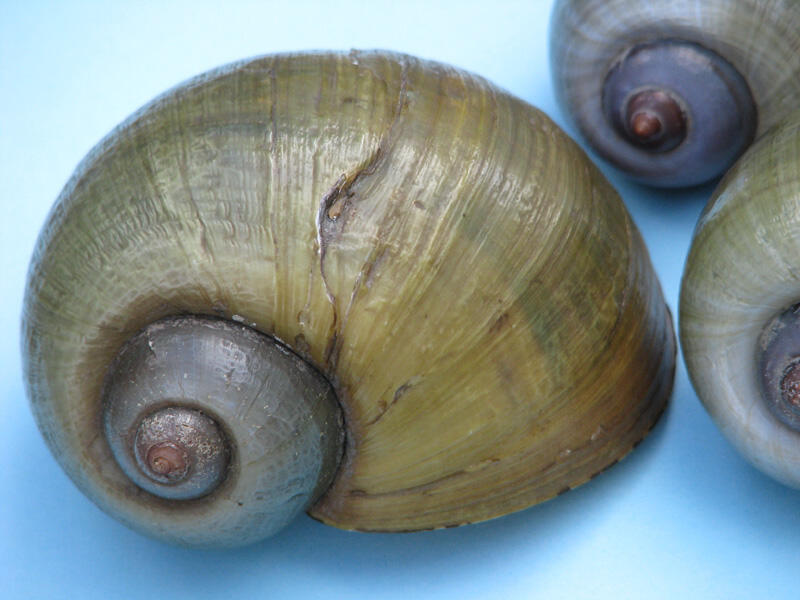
673	91
739	304
468	284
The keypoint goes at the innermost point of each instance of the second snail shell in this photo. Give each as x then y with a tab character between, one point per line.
469	284
758	40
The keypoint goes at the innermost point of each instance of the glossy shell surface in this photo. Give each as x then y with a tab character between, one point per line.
741	273
469	283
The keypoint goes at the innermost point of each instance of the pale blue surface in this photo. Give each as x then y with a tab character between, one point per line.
683	517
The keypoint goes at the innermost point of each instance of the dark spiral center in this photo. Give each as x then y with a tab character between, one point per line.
167	460
654	118
790	385
778	358
182	448
678	113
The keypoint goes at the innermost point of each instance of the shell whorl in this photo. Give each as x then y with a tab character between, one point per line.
758	39
422	238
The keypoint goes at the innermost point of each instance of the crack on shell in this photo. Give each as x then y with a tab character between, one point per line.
335	207
398	393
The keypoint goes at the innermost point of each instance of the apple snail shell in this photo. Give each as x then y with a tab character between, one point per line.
474	312
673	91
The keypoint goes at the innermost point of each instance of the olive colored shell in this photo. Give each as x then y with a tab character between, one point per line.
742	271
469	283
759	38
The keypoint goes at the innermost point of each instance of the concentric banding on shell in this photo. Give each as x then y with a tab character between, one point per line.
194	406
741	275
757	40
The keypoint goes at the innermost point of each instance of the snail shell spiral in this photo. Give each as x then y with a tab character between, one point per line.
728	71
469	285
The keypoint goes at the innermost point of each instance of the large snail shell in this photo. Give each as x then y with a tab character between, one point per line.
741	274
759	39
468	282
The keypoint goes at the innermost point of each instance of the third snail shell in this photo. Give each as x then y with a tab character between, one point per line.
740	304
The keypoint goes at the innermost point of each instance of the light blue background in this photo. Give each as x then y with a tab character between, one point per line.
683	517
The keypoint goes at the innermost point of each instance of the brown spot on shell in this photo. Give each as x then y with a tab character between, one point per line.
645	125
167	460
500	323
